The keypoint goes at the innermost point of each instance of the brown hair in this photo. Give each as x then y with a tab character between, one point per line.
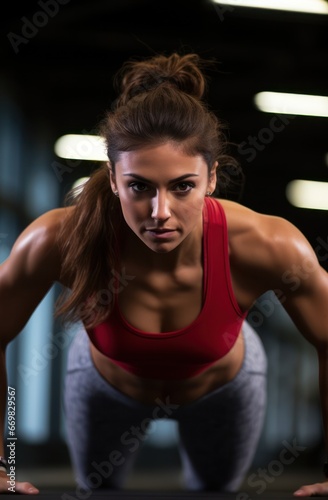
160	100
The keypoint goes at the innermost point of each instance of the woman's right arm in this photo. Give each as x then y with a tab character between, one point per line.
25	278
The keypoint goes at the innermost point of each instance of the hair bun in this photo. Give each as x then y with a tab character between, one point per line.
184	72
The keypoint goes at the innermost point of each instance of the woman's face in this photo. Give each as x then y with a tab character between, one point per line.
161	190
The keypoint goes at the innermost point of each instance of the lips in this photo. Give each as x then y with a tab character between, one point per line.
161	233
162	230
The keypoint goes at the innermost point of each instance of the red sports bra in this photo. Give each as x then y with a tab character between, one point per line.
186	352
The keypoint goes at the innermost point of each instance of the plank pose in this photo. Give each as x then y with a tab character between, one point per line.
161	273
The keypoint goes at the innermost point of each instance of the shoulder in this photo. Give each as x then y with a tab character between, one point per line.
245	223
269	246
36	249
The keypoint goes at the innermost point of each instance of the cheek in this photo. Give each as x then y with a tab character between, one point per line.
132	212
193	210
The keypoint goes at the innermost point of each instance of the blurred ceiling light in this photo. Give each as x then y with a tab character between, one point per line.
307	6
292	104
81	147
308	194
80	182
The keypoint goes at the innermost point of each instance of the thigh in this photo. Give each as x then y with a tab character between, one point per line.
104	428
219	432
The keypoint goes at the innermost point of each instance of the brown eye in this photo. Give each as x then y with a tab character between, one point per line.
138	187
184	187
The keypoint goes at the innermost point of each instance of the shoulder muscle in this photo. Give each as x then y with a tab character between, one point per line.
265	246
35	253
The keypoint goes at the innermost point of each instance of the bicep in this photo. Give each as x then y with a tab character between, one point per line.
291	267
18	300
25	278
306	302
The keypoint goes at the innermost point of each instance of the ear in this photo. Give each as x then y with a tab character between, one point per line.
112	178
212	178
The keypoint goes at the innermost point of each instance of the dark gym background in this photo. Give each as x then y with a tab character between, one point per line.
58	59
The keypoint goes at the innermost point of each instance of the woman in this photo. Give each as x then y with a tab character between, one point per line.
161	274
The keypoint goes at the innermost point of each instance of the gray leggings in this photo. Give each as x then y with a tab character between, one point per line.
218	433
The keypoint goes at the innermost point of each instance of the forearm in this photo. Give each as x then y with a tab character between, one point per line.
323	384
3	395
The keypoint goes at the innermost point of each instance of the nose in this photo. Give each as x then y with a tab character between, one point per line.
160	207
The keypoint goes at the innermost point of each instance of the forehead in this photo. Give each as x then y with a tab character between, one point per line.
167	157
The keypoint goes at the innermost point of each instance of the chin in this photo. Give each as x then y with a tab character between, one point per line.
161	248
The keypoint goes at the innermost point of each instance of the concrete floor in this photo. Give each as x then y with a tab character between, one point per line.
164	480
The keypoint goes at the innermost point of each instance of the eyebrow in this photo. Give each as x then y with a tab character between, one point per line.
177	179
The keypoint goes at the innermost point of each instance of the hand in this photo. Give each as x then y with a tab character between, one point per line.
310	490
24	488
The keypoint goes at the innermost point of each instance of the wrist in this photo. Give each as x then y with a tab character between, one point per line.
325	468
3	464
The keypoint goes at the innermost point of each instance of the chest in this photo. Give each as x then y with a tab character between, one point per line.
158	301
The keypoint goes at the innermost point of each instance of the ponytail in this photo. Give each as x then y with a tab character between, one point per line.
88	244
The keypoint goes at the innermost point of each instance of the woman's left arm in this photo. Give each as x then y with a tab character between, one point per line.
304	284
270	253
